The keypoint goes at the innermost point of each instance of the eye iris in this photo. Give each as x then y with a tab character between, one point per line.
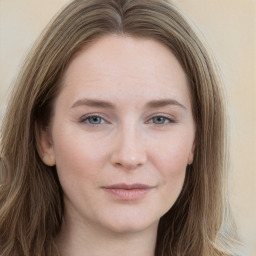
159	120
94	119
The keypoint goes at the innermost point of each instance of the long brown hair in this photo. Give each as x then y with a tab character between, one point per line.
31	203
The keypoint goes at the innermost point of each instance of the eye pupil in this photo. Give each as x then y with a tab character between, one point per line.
94	120
159	120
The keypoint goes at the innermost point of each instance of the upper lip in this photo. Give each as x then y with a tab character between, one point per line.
128	186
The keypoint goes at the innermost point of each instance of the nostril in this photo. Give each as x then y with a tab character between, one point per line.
128	163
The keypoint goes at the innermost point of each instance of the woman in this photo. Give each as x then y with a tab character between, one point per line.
115	134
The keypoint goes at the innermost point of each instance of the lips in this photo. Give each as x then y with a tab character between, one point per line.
128	192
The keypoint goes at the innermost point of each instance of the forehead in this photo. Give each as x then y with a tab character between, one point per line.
135	66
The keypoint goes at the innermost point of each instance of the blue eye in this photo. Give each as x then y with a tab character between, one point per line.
161	120
93	120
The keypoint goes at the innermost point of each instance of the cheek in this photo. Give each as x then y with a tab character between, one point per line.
171	162
172	155
78	159
173	169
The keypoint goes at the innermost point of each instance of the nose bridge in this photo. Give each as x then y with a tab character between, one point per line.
130	150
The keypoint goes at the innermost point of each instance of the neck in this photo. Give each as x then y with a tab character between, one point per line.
80	239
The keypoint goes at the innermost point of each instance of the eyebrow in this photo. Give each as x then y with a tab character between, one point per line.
93	103
163	103
109	105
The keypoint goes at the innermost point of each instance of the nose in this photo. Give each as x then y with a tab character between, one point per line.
129	149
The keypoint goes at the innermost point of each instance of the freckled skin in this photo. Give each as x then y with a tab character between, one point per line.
127	146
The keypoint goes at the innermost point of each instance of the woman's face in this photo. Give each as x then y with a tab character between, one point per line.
122	134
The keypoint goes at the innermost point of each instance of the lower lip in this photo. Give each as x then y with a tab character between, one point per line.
128	194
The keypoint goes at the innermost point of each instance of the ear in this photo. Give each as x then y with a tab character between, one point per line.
191	154
45	145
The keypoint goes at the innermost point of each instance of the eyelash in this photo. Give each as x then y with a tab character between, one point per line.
167	120
85	119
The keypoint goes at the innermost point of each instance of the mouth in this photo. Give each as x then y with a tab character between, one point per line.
128	192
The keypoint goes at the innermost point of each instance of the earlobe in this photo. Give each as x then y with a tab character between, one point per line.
49	160
191	155
45	146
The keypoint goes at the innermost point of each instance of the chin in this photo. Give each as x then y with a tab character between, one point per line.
130	223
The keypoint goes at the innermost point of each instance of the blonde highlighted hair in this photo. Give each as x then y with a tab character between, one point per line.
31	202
